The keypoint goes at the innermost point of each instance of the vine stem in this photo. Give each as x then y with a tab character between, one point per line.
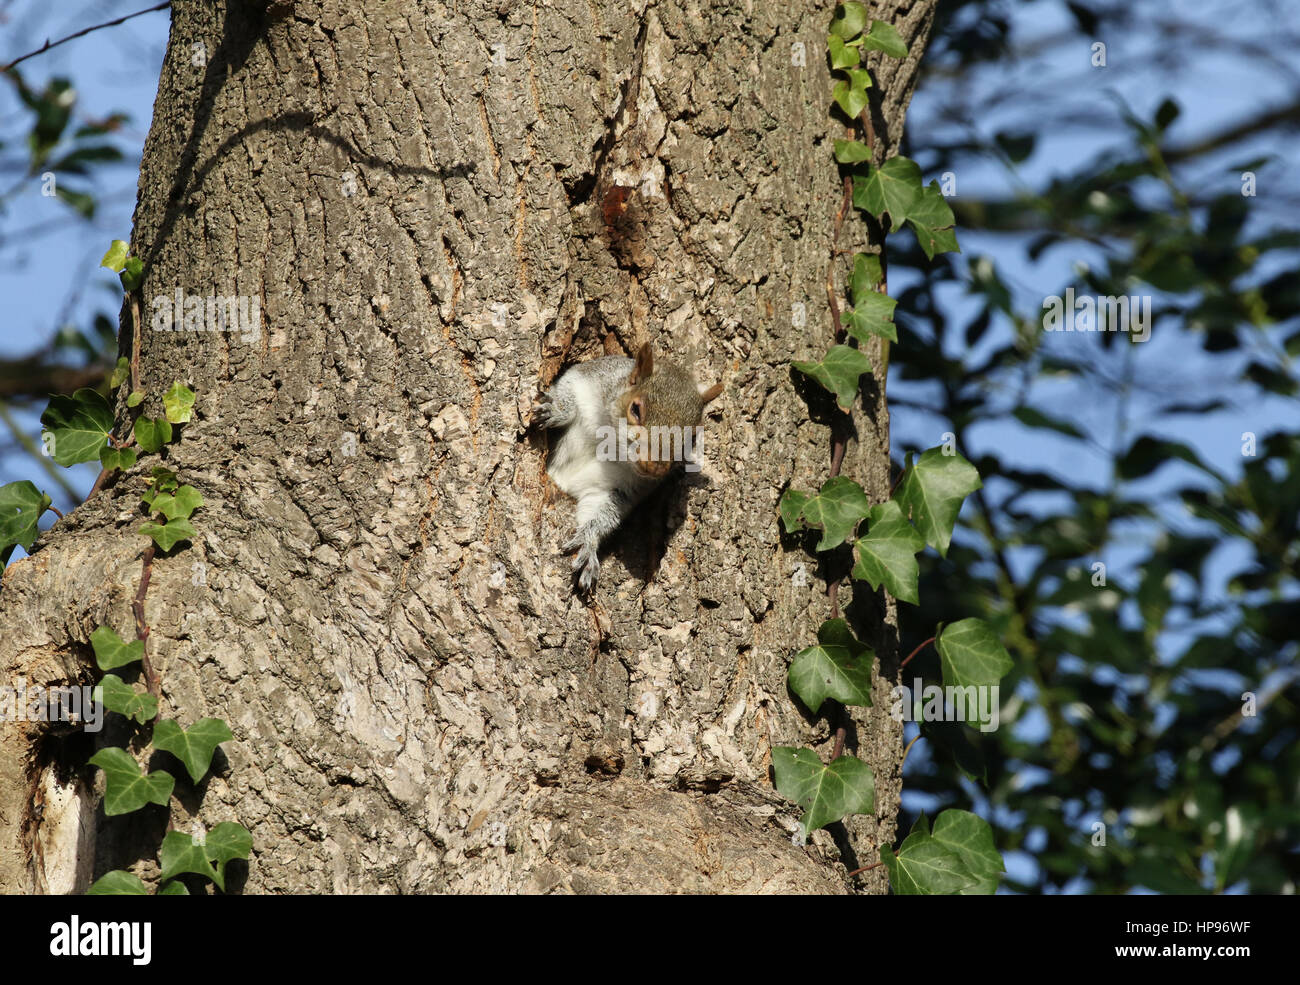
868	868
915	652
151	679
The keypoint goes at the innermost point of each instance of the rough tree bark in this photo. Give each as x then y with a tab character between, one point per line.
439	206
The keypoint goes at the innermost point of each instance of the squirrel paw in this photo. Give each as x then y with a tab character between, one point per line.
587	563
544	411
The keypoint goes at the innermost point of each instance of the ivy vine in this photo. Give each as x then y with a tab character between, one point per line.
957	854
76	429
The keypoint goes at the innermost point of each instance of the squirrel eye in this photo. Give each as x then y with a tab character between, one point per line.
634	409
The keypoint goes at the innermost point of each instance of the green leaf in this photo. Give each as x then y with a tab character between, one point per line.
178	403
932	220
849	20
79	426
893	187
126	789
169	534
193	746
116	458
866	275
791	505
119	882
116	695
842	56
135	398
852	151
121	373
932	493
116	255
839	372
132	273
851	94
971	654
180	853
871	314
926	867
826	793
225	843
887	554
152	433
111	651
970	838
884	37
178	505
836	510
163	479
174	888
21	505
838	667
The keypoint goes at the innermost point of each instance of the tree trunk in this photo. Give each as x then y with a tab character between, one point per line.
437	207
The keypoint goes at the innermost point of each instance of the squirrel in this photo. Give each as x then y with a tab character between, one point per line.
627	423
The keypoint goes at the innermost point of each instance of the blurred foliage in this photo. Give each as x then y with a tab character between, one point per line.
1126	703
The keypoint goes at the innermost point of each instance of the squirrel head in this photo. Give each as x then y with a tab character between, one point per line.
659	406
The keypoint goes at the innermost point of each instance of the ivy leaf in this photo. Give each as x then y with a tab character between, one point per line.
971	654
115	258
116	458
152	434
839	372
791	506
193	746
111	651
838	667
126	789
884	37
178	403
852	151
121	373
169	534
932	220
180	853
926	867
21	505
132	273
866	275
116	695
887	554
970	838
849	20
174	888
177	505
836	510
225	843
851	94
842	56
135	398
932	493
826	793
119	882
893	187
79	426
871	314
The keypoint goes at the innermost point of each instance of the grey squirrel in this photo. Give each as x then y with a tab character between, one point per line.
627	423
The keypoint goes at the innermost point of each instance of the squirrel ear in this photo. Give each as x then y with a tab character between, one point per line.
709	394
645	365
